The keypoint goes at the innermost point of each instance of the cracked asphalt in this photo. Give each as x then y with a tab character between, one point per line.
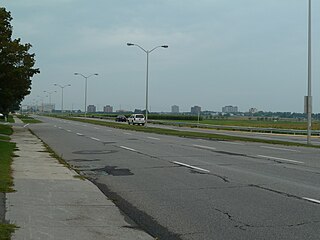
178	188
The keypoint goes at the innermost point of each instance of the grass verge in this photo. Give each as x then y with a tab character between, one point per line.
6	153
6	231
189	134
28	119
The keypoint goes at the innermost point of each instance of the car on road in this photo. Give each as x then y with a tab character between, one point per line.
136	119
121	118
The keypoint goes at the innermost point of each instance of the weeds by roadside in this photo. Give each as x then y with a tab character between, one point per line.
6	231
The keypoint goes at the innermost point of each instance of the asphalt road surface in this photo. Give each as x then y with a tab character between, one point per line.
179	188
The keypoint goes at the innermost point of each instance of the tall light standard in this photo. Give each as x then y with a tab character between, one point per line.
147	73
85	90
62	87
50	95
308	101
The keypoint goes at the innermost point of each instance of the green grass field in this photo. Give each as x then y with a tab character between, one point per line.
187	134
6	153
6	180
27	119
280	124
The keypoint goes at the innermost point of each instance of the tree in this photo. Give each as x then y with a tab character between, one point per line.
16	66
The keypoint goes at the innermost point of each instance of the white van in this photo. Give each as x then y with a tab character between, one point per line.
136	119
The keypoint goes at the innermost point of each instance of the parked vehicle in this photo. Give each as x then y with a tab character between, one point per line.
121	118
136	119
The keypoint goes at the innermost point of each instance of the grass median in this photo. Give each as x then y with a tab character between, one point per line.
28	119
187	134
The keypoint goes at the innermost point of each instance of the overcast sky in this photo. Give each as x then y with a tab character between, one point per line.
246	53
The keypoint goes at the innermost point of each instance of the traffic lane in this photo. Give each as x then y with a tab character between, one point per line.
150	137
188	155
265	136
281	170
143	181
203	203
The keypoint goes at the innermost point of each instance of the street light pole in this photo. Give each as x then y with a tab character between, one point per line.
62	87
309	98
147	73
85	90
50	95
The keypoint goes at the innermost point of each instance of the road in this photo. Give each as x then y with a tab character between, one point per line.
179	188
264	136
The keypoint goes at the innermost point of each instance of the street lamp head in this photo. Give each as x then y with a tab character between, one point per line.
165	46
69	85
96	74
130	44
55	84
76	73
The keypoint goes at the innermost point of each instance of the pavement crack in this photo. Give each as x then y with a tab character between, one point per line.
276	191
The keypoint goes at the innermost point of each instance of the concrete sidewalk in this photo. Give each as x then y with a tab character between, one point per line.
51	203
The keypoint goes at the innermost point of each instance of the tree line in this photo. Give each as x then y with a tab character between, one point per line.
16	66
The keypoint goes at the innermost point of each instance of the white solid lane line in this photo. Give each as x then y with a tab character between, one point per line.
96	128
127	133
281	159
283	149
130	149
190	166
60	127
153	138
96	139
69	130
26	125
80	134
312	200
204	147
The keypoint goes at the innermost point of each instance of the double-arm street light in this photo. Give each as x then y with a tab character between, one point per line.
147	73
85	90
62	87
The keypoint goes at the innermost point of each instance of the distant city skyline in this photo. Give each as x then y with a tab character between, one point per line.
220	52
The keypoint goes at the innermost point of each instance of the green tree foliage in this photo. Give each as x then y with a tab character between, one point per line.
16	66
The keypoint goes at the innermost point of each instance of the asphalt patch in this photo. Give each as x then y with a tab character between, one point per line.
113	171
95	152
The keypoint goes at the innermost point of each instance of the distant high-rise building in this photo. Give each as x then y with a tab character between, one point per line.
175	109
108	109
91	109
195	110
230	109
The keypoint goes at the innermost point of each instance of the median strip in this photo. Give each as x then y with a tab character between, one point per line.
190	166
281	159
